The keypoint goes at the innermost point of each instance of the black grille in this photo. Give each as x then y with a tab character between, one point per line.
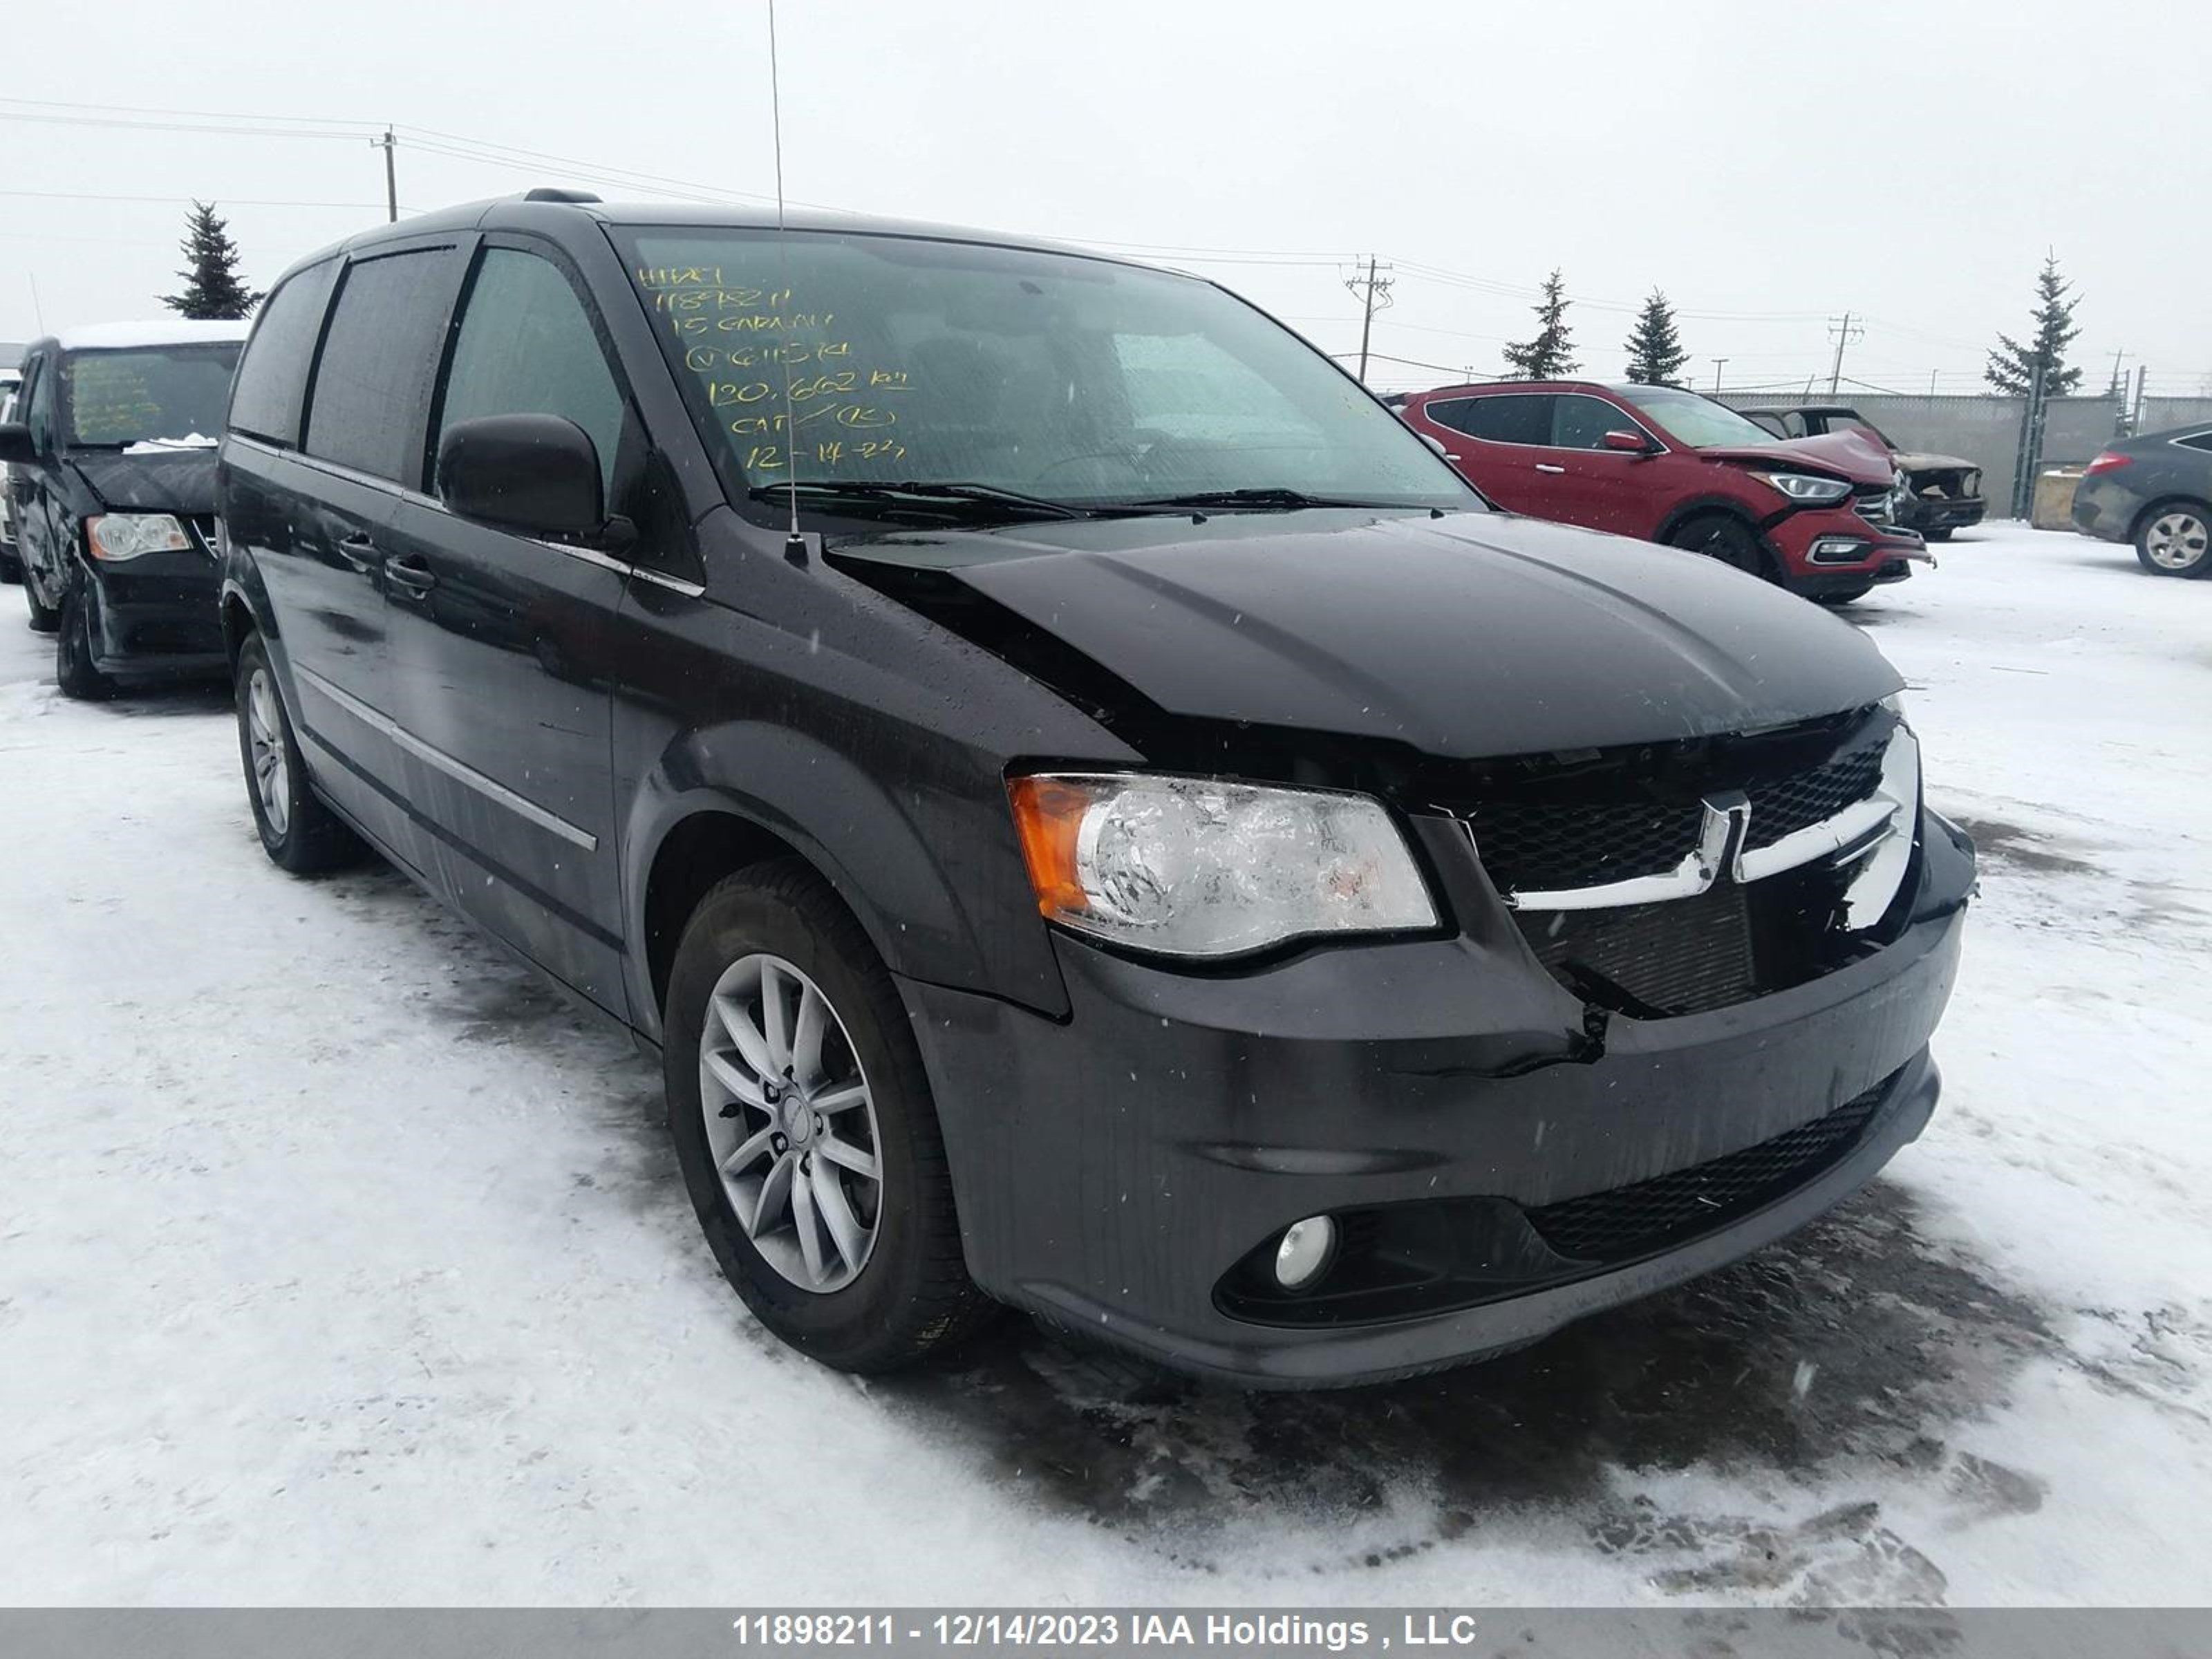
1532	847
1798	803
1680	956
1636	1220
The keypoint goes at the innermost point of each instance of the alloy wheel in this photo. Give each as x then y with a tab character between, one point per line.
2176	541
265	737
791	1123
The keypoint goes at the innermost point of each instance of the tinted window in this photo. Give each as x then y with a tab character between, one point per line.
2196	441
526	346
1519	418
1580	422
372	396
272	390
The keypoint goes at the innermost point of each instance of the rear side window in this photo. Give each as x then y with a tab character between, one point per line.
527	346
1519	418
270	394
2196	441
372	394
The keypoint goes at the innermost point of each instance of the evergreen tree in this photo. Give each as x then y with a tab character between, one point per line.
1550	355
2013	366
212	289
1654	350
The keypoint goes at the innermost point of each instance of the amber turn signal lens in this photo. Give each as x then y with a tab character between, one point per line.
1048	816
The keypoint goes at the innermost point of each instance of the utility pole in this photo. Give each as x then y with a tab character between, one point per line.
2134	418
1846	332
1376	298
1718	363
2118	388
1931	382
391	175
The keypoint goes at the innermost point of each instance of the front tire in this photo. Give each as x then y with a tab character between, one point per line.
1844	595
803	1126
298	832
2175	539
1729	540
1941	533
75	669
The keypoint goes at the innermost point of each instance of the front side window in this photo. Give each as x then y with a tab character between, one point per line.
526	346
145	394
1696	421
372	392
39	405
1580	423
1080	381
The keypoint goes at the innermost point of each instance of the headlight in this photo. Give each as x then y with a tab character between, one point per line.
1198	867
127	535
1807	486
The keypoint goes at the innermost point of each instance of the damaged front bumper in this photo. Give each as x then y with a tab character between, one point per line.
1489	1147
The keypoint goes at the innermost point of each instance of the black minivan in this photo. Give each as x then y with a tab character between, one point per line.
110	459
1091	812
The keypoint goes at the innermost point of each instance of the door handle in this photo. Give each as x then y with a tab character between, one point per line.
357	551
1545	466
410	574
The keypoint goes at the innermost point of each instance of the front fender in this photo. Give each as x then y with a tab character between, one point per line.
930	868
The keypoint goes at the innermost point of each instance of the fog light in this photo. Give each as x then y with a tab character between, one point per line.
1838	549
1307	1249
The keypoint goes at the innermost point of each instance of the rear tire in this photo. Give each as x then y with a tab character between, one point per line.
1728	539
874	1228
2174	538
11	566
44	619
298	832
74	668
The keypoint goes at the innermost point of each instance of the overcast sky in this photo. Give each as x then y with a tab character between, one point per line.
1769	165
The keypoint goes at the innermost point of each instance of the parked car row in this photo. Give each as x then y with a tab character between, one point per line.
1090	812
1815	515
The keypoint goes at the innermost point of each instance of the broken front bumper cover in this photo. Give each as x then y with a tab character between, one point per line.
1116	1173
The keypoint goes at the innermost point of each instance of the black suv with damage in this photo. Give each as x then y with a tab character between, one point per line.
111	486
1090	812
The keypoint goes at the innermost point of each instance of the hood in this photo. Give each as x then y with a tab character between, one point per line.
1473	636
174	481
1852	454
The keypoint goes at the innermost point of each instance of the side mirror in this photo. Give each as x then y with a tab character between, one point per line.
538	473
1634	442
16	448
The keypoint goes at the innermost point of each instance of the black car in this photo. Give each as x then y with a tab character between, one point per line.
2155	491
1089	810
1936	494
111	484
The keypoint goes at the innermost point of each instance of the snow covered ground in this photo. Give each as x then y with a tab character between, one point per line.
339	1263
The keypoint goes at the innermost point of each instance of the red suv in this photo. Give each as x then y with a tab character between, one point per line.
1667	465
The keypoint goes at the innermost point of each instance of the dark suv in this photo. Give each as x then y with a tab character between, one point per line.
1815	514
1088	810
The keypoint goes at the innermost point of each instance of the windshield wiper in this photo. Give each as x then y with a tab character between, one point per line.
1257	500
892	495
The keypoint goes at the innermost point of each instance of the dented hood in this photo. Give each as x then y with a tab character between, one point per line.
1852	455
176	481
1470	636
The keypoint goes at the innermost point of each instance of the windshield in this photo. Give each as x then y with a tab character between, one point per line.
1698	422
1050	376
146	393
